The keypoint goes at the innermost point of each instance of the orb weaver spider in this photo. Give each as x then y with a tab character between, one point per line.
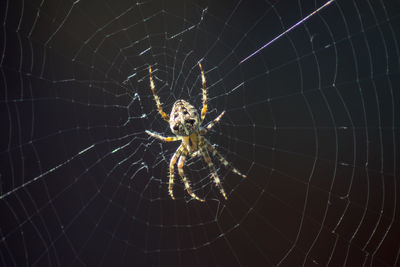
185	123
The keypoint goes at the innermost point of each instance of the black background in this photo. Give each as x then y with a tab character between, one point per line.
313	120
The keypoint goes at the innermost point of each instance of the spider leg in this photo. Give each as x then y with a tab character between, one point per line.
221	158
188	188
211	124
163	138
172	163
157	99
211	166
204	89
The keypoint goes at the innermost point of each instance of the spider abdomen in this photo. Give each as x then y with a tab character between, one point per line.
184	118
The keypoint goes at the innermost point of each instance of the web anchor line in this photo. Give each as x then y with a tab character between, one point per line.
288	30
8	193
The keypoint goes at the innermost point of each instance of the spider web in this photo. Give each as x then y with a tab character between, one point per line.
312	120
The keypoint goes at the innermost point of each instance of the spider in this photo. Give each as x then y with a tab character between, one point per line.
185	123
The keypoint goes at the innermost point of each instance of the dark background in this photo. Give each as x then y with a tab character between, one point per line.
312	120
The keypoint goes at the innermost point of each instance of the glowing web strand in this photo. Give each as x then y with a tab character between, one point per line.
288	30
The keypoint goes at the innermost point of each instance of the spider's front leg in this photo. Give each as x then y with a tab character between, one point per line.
163	138
209	126
156	98
204	89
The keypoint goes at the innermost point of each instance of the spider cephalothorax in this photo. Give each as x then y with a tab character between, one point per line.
185	123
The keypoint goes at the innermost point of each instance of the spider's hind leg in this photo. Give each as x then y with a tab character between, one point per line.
188	188
172	163
211	166
222	159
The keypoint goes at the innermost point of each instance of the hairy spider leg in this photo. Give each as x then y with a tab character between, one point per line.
222	159
163	138
204	89
211	166
211	124
156	98
188	188
172	163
